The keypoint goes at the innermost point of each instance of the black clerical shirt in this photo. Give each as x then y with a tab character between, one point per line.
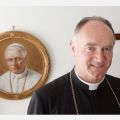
57	98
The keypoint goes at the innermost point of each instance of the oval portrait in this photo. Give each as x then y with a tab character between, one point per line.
24	64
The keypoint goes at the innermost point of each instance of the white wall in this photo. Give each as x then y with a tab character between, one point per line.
54	27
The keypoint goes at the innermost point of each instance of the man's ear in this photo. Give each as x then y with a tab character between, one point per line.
72	46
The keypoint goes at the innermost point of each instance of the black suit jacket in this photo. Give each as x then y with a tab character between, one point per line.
56	97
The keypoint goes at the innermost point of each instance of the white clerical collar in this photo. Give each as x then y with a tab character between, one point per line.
92	86
20	75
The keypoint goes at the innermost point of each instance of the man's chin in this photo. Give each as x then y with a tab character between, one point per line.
98	77
15	71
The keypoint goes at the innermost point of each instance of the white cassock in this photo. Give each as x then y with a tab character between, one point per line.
17	83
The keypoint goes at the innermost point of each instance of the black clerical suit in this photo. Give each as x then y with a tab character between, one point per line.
57	98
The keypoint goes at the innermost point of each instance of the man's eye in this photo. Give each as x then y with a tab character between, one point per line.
18	59
9	60
90	48
108	49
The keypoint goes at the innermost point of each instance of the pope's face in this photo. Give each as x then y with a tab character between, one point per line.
15	61
93	51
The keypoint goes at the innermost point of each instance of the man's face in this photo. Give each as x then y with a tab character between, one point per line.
15	61
93	51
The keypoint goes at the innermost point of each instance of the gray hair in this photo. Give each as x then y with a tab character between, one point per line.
87	19
16	46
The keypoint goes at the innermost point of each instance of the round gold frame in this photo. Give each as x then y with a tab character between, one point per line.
30	42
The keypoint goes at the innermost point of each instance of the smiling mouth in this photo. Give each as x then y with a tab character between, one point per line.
14	68
98	66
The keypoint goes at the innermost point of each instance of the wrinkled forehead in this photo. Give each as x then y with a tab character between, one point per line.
13	53
97	29
96	25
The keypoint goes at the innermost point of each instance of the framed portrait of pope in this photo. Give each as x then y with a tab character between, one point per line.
24	64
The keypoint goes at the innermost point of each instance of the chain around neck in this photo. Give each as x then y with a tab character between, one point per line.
73	94
23	84
74	97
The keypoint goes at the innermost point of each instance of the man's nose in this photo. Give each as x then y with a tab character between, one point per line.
100	56
13	62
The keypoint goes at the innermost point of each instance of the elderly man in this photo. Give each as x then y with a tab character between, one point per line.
19	78
87	89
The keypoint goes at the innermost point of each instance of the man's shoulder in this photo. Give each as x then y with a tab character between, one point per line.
113	78
33	72
114	81
55	86
6	74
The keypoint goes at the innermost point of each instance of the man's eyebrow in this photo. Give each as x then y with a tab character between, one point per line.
94	44
91	44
